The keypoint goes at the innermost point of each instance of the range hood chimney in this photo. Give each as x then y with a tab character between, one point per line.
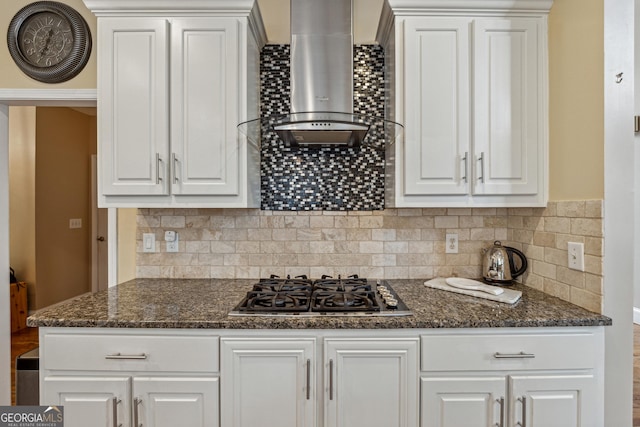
321	73
321	76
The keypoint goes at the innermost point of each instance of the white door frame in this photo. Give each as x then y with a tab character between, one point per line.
96	260
40	98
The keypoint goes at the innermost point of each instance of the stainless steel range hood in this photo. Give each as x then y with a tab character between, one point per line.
321	76
321	72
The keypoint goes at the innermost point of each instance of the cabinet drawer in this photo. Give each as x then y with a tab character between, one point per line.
507	352
131	353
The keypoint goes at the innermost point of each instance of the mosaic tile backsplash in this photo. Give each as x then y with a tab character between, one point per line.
340	179
387	244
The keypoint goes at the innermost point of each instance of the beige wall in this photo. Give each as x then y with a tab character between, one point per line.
126	244
10	74
22	193
63	164
576	100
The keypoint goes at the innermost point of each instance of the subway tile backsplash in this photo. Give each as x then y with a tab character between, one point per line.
385	244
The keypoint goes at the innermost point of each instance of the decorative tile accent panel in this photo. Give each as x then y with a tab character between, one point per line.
388	244
341	179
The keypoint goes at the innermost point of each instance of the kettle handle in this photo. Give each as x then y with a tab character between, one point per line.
523	258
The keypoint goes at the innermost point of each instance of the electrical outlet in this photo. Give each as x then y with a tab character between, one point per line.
171	237
576	256
75	223
451	244
148	242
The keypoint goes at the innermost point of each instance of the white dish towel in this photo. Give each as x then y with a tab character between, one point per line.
509	296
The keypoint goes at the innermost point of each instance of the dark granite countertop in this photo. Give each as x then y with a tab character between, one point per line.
205	303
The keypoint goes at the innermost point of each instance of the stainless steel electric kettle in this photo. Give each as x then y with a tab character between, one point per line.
498	265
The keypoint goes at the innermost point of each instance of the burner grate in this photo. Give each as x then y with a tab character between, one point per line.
344	301
325	296
290	301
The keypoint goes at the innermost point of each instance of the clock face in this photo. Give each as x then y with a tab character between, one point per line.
45	39
49	41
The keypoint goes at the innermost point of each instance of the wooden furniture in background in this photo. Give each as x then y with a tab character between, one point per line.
18	297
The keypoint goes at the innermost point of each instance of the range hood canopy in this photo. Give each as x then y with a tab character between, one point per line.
321	83
323	129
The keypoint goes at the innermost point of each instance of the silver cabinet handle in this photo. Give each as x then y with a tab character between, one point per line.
115	412
481	160
521	355
136	403
330	379
466	162
174	167
158	162
523	422
501	403
126	356
308	379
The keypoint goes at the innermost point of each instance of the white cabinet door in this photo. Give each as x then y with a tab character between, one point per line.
133	130
371	383
205	87
437	112
553	401
463	401
508	114
90	401
268	382
171	402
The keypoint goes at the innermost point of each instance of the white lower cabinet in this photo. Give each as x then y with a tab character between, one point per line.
268	382
366	382
134	401
508	380
116	378
533	400
170	402
462	401
90	400
371	383
476	377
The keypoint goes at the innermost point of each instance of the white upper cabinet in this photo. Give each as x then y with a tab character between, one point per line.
469	83
204	99
508	121
437	134
133	130
174	82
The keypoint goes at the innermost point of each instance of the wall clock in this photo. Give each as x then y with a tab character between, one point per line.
49	41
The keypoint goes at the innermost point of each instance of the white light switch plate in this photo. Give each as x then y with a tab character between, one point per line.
75	223
148	242
576	256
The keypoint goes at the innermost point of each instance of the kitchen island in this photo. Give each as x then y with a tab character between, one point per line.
166	352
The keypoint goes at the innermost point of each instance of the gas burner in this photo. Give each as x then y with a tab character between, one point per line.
289	301
326	296
275	284
325	301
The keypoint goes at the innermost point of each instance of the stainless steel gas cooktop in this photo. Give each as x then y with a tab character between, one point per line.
300	296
